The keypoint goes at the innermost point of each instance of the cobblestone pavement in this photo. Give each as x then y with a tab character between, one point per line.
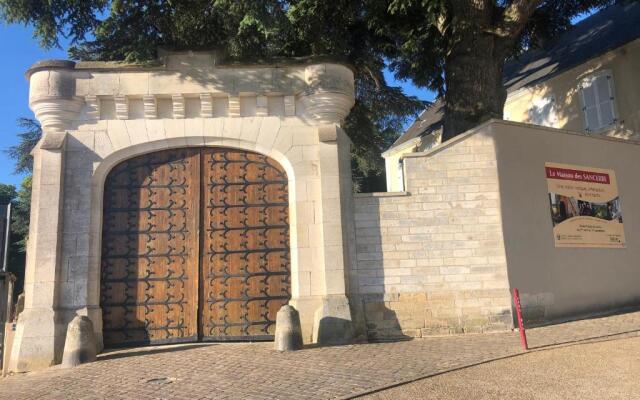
606	369
256	371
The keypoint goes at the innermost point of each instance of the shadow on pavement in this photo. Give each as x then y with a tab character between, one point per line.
113	354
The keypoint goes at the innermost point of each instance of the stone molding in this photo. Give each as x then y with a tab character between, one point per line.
319	93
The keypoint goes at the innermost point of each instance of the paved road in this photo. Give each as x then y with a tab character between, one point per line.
593	371
255	371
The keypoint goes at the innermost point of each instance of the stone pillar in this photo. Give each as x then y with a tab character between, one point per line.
39	336
327	101
332	321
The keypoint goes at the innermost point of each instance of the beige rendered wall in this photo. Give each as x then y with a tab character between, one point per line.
431	260
560	283
624	64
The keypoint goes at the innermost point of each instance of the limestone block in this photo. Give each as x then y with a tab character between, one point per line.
155	130
268	133
92	105
234	106
150	106
194	131
288	336
137	130
275	106
80	344
122	106
34	344
174	128
289	106
232	128
206	105
178	105
118	134
213	129
133	83
250	129
262	107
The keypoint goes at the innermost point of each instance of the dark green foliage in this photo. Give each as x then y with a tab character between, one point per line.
7	193
20	214
418	39
20	205
21	199
29	137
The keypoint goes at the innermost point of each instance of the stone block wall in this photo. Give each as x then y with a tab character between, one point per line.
432	260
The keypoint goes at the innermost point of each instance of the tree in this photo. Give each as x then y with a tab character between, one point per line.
21	199
7	193
28	138
459	47
456	47
20	202
245	30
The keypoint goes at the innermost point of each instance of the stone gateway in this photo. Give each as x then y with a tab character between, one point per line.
185	200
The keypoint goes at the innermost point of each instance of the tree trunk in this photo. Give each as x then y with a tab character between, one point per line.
474	90
473	70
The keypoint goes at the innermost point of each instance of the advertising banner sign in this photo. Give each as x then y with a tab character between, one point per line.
585	206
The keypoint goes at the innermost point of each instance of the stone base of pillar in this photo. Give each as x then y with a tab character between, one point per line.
38	340
306	307
332	323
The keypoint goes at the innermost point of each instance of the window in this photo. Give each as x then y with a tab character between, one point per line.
543	111
598	101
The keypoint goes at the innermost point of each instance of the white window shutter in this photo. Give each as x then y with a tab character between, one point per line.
598	101
605	96
589	106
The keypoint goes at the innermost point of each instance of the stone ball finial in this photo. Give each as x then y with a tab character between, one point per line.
80	345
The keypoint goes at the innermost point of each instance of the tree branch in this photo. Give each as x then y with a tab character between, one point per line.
515	18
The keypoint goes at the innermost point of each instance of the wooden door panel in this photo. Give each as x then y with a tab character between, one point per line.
245	267
150	249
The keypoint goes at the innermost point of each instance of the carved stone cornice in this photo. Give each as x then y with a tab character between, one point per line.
52	95
319	93
329	95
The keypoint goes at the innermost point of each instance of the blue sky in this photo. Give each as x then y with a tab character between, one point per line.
20	51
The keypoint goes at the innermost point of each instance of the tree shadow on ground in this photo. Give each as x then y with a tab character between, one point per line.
113	354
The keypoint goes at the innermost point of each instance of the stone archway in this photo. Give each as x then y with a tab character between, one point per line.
195	245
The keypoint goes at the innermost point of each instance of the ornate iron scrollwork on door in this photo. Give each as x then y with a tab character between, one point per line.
150	249
195	244
245	255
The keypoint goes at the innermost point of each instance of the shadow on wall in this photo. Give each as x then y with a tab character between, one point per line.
381	322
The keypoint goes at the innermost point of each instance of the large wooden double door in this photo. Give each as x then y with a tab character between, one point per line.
195	246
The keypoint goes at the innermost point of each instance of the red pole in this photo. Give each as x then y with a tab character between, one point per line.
523	334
